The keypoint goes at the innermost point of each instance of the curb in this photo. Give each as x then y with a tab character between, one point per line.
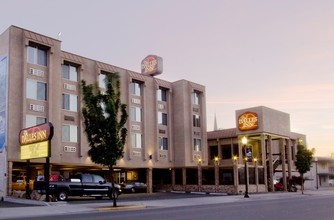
130	207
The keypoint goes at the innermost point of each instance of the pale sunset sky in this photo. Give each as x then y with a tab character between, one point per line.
247	53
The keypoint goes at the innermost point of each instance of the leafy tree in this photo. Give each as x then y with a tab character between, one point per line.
104	119
303	162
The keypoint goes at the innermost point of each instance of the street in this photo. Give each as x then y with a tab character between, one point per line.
289	208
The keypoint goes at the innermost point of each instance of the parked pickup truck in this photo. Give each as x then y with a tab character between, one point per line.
79	185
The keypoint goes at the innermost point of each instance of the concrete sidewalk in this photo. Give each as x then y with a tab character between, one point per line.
57	208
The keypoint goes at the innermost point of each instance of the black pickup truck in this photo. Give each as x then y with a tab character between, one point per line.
79	185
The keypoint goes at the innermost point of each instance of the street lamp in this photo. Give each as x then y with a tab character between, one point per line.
244	143
316	171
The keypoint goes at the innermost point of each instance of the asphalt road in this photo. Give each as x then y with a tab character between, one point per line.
305	208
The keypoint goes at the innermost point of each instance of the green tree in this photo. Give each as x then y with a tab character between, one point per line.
104	120
303	162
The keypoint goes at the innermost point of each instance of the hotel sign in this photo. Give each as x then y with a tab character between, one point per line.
35	141
248	121
151	65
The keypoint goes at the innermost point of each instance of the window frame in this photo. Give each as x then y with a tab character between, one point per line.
37	54
71	99
33	87
163	143
162	118
197	145
72	137
136	88
71	77
137	140
162	94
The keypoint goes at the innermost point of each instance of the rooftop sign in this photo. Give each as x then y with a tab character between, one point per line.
248	121
151	65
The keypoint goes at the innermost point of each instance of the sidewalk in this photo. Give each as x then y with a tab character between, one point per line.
57	208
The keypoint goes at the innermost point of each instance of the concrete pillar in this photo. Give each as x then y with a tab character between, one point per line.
264	158
283	158
216	173
149	176
289	153
10	178
256	176
235	176
184	178
199	176
220	154
270	168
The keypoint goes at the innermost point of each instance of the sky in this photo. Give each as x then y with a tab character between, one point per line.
247	53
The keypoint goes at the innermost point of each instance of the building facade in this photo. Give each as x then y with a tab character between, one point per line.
41	83
270	150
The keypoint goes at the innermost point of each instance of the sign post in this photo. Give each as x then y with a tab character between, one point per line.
36	143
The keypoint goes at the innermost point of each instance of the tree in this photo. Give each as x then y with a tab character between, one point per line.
104	120
303	162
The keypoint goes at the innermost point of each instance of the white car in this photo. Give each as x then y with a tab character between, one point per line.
331	182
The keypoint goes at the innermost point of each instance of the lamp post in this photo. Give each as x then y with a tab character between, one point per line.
244	143
316	171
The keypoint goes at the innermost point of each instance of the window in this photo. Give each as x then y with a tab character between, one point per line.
36	90
163	143
135	114
195	98
135	88
136	140
37	55
102	83
197	144
70	72
32	120
162	118
162	94
196	121
70	133
70	102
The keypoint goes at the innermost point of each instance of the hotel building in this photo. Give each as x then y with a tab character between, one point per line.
41	83
168	146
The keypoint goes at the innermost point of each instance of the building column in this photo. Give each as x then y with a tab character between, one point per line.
235	176
264	158
184	178
270	164
149	179
289	153
10	178
173	179
217	175
256	176
283	158
220	154
199	176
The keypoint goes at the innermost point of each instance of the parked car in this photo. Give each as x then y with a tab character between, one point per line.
331	182
20	183
133	187
79	185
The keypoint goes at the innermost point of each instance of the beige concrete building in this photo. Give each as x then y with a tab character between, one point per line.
270	150
41	83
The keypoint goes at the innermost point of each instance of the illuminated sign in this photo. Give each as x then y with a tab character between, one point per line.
151	65
36	150
248	121
36	134
35	141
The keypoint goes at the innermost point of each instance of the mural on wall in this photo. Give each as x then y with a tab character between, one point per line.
3	102
3	124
